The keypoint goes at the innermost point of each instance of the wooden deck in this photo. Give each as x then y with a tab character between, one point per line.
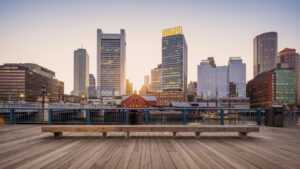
25	146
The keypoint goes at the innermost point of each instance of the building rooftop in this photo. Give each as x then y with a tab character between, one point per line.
24	146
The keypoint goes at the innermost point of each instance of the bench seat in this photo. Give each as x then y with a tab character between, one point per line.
57	130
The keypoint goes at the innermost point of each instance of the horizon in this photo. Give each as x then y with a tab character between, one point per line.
48	32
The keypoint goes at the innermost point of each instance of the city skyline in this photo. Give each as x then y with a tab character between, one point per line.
27	37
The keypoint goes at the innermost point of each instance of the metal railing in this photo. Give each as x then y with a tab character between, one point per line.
168	115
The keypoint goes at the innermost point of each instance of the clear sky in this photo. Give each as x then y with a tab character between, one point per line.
47	32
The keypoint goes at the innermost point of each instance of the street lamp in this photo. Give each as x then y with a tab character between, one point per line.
22	96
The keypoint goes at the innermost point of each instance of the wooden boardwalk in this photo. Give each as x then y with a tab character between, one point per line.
26	147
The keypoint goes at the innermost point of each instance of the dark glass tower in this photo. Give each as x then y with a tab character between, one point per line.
174	60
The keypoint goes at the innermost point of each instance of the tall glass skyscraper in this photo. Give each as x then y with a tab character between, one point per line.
111	57
174	60
81	72
265	52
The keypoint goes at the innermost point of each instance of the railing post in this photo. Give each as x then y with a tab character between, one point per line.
258	117
222	116
50	116
12	117
146	116
127	116
184	120
88	116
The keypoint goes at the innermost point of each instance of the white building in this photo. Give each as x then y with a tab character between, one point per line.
213	81
111	58
81	72
237	75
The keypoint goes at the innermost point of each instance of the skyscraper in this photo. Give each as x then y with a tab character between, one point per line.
237	75
81	72
265	52
174	60
111	57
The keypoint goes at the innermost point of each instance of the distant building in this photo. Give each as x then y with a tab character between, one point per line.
213	81
129	88
291	59
111	58
237	75
164	98
174	60
191	91
265	52
211	61
92	87
81	72
155	85
26	81
144	90
275	87
146	80
232	89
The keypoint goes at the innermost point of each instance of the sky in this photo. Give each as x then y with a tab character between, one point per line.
47	32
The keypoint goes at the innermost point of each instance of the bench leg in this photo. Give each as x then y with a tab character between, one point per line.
197	134
104	134
243	134
174	134
127	134
57	134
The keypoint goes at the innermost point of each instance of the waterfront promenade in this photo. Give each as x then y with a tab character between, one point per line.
25	146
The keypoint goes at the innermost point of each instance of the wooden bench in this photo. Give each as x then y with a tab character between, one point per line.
58	130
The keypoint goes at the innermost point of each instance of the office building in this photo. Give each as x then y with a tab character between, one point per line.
237	75
111	58
276	87
81	73
155	85
290	59
27	81
92	87
265	52
174	60
214	81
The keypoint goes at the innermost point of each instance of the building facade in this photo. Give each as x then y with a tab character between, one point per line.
26	82
174	60
213	81
237	75
265	52
291	59
129	88
111	58
81	72
275	87
155	84
92	87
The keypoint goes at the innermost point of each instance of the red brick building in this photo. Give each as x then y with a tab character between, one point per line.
135	101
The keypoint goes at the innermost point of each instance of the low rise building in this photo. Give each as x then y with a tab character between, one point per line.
29	82
272	88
